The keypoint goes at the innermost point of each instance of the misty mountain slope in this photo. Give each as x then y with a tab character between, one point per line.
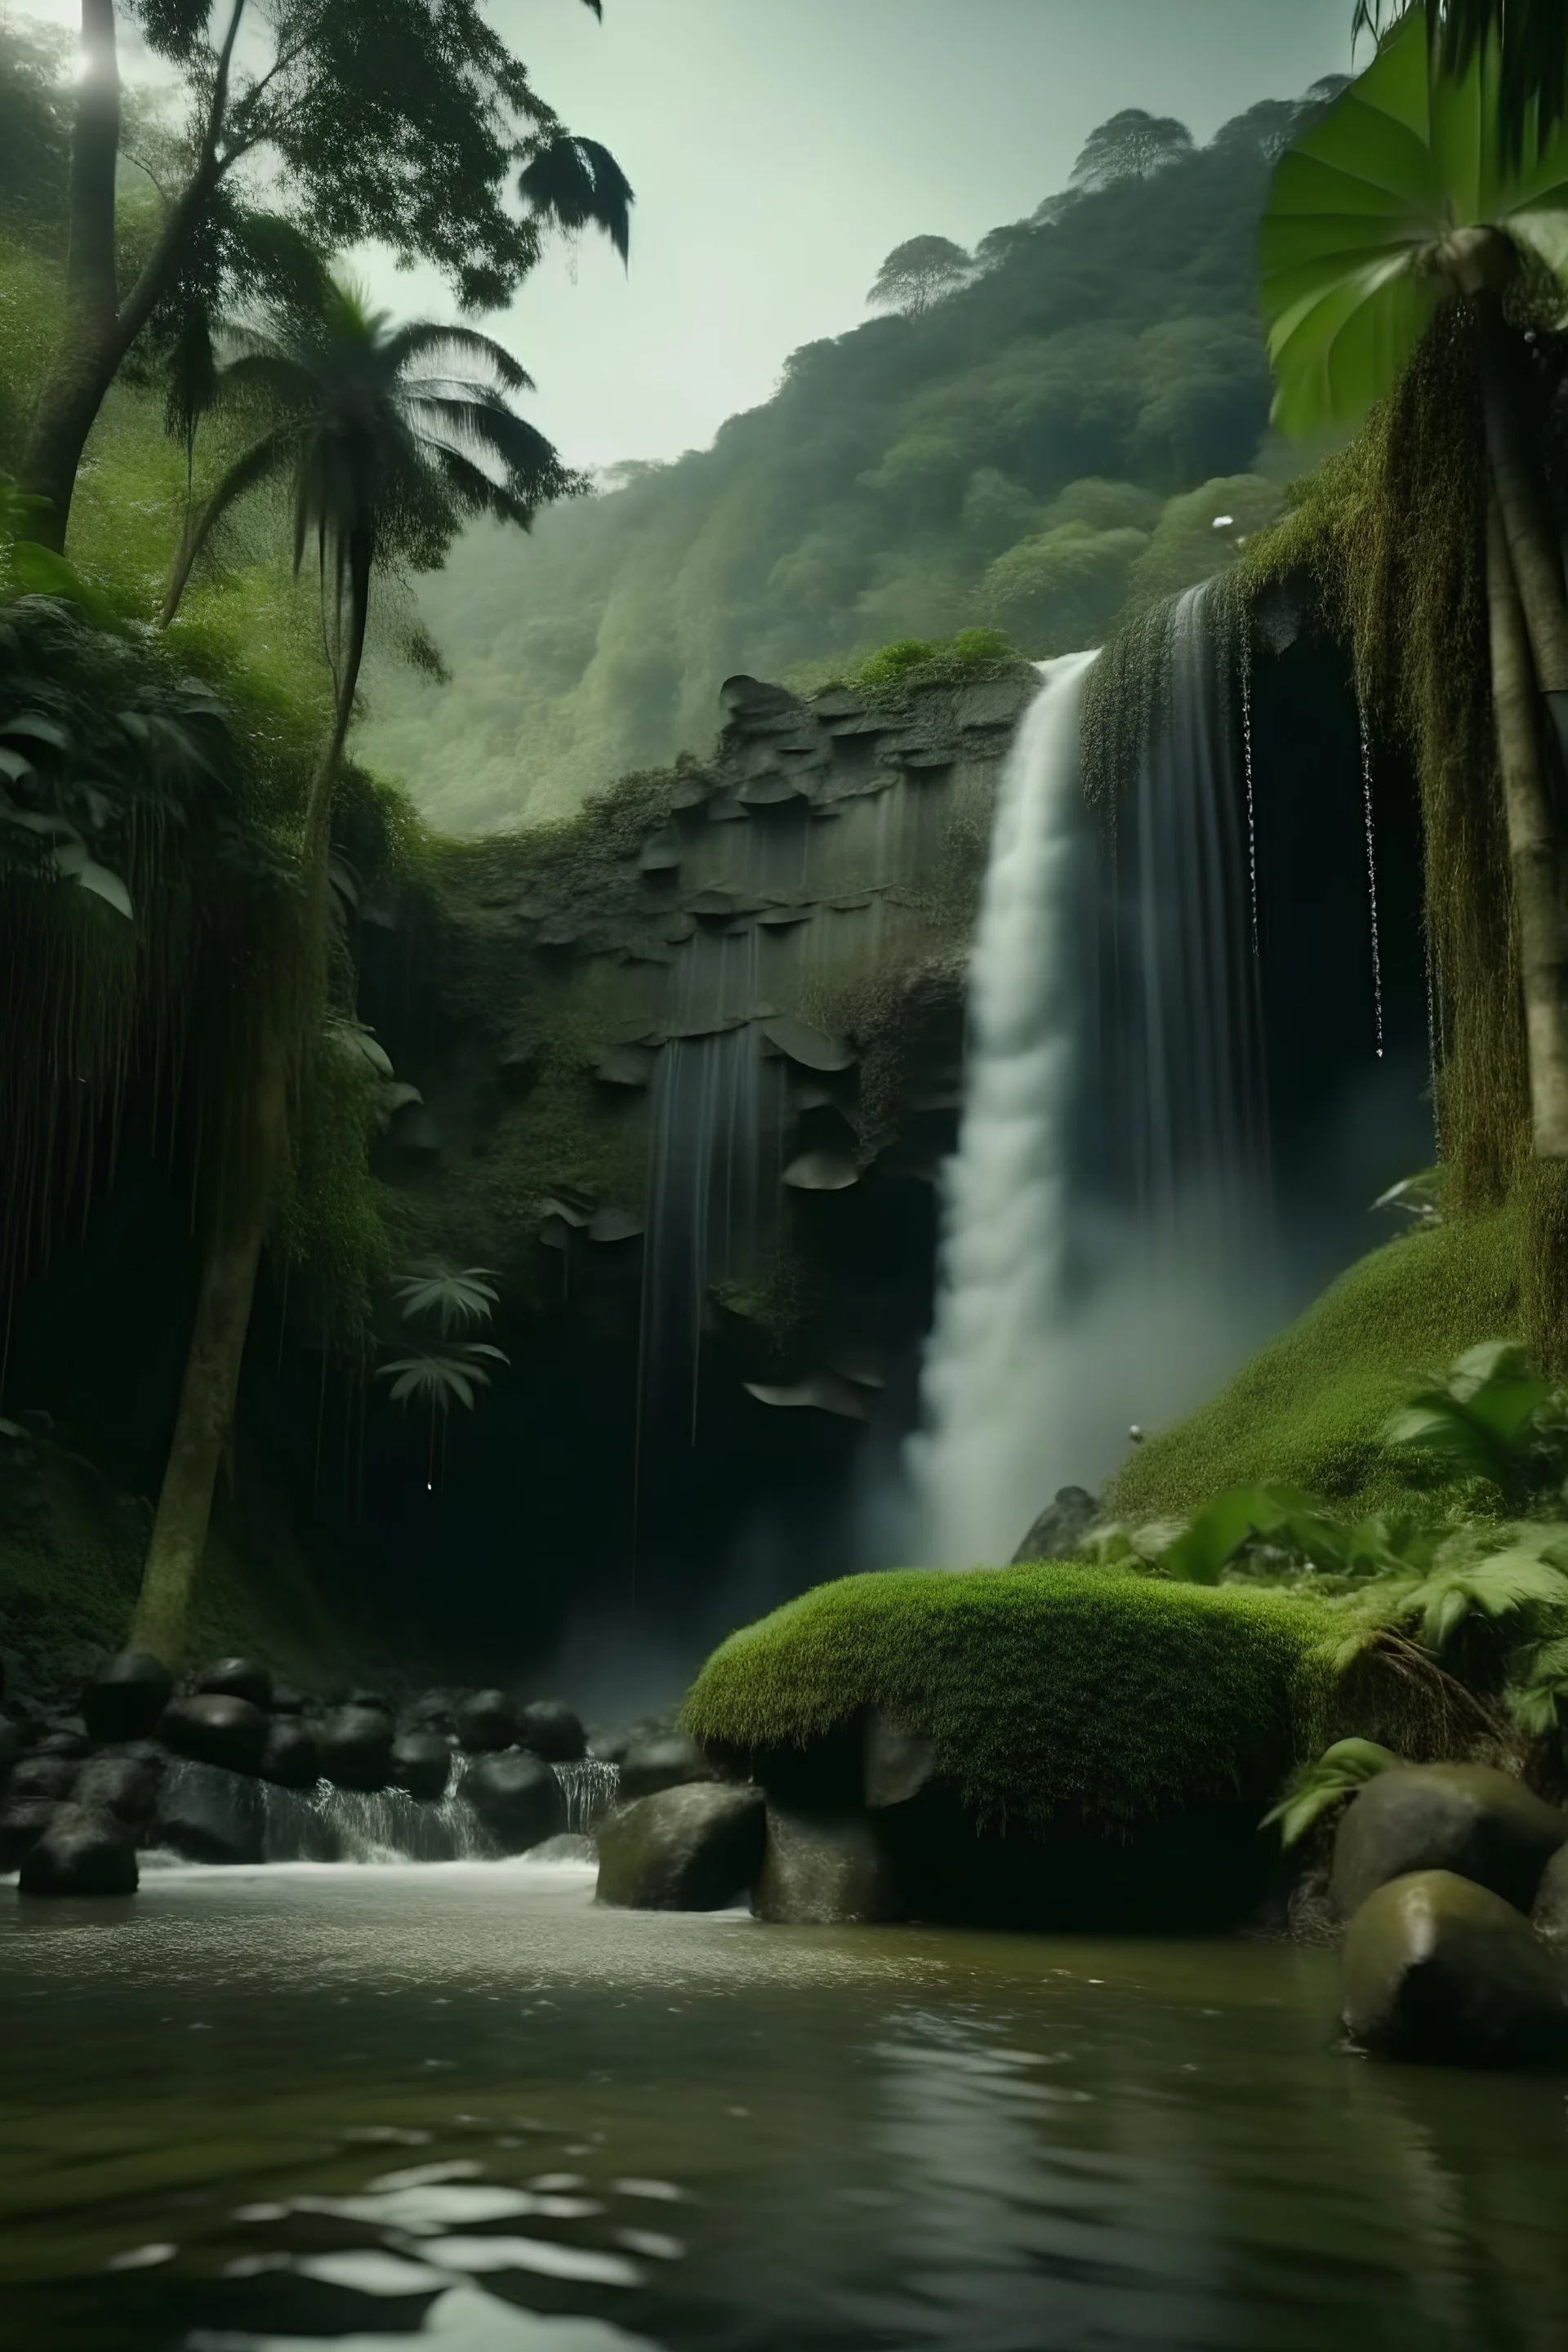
1010	456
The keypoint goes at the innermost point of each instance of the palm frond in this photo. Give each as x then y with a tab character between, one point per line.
425	338
579	184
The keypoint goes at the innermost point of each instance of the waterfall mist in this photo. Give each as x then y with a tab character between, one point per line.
1107	1250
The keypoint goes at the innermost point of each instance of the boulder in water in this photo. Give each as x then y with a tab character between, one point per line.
237	1678
63	1738
211	1729
286	1700
434	1710
517	1799
84	1851
51	1778
898	1762
354	1744
1465	1818
660	1759
1550	1912
697	1848
208	1814
22	1825
127	1696
421	1763
125	1786
823	1873
1061	1526
549	1727
1439	1969
370	1698
11	1745
487	1720
290	1756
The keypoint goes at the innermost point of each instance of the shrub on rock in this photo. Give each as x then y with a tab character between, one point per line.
1465	1818
354	1744
239	1678
517	1799
549	1727
422	1763
210	1729
487	1720
127	1696
84	1851
290	1756
1439	1969
208	1814
690	1849
823	1873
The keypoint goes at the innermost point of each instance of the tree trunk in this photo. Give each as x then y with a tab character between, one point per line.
211	1383
1542	955
1532	551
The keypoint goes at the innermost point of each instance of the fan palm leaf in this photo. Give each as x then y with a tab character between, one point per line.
1373	206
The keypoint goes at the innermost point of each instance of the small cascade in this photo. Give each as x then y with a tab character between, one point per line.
590	1788
1107	1220
717	1111
388	1826
383	1825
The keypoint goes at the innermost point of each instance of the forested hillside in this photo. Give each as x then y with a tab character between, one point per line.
1056	434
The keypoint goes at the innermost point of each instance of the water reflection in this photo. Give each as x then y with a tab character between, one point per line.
465	2105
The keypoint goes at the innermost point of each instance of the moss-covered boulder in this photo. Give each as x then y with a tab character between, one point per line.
1105	1744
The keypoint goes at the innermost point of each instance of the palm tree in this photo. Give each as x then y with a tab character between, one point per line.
1401	199
1531	39
390	438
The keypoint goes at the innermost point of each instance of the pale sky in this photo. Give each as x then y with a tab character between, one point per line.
780	148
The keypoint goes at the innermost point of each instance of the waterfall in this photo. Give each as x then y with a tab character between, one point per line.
1002	1265
717	1115
1106	1244
388	1826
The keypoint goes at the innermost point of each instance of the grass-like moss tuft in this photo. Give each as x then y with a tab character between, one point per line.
1056	1696
1310	1408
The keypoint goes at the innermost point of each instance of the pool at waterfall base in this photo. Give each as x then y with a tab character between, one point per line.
311	2104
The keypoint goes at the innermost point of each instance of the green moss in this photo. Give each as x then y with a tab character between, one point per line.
1309	1407
1053	1694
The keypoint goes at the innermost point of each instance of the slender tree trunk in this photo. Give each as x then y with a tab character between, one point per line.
211	1383
1533	555
1533	850
100	329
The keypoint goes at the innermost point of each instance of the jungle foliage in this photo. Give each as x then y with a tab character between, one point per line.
1027	451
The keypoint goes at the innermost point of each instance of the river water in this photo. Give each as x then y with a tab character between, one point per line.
307	2106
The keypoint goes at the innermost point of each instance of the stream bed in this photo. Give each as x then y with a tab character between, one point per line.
312	2104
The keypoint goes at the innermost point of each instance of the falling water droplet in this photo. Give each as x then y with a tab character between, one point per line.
1371	878
1246	754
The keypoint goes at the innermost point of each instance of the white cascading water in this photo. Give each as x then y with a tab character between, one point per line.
388	1826
1107	1248
977	1465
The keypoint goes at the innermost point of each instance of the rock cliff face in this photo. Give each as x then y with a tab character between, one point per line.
688	1067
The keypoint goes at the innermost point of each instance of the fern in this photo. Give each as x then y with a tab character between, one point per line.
458	1298
1481	1420
1525	1576
442	1380
1348	1764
